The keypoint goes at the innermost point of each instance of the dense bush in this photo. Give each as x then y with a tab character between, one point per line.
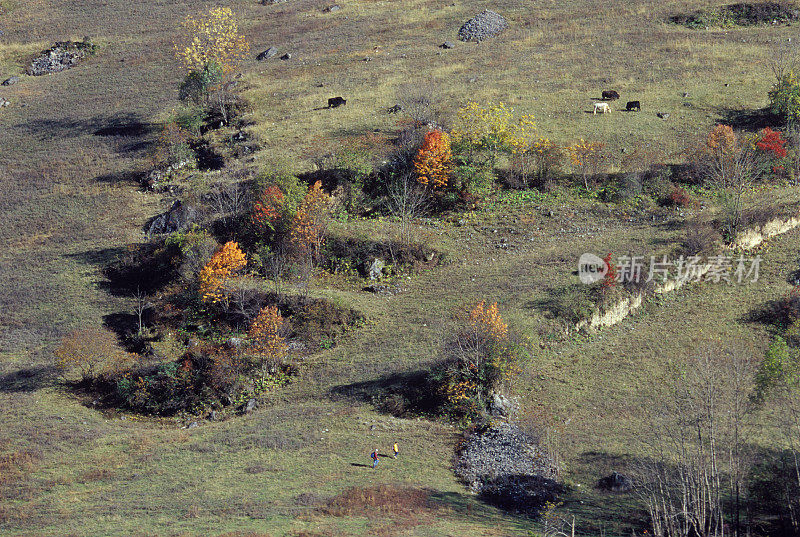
478	359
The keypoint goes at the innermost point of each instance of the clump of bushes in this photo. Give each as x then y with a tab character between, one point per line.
479	359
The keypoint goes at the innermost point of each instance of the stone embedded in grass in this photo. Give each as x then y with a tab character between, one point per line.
63	55
447	44
269	53
286	56
483	26
11	81
4	102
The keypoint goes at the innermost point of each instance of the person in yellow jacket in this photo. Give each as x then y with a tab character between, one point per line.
395	449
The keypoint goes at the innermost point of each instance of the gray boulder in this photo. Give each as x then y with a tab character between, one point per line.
177	218
447	44
267	54
11	81
483	26
286	56
375	270
250	406
4	102
615	483
502	406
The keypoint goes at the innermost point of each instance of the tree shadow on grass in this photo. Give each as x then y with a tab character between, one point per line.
29	379
750	120
399	394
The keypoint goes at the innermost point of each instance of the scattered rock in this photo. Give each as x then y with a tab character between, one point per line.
267	54
4	102
375	270
250	406
11	81
271	2
367	59
663	115
333	9
447	44
502	406
213	416
383	289
193	425
286	56
177	218
396	109
615	483
62	56
483	26
685	94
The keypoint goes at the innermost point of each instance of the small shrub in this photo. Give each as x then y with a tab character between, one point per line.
678	197
91	352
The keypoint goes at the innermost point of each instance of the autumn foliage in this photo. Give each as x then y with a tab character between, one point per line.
264	333
432	162
267	209
310	222
225	263
91	352
212	39
479	359
771	142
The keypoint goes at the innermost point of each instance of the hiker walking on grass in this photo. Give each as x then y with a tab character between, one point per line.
395	449
374	456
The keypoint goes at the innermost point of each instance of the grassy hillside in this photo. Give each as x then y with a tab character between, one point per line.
72	145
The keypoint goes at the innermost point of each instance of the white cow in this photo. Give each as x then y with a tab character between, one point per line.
603	107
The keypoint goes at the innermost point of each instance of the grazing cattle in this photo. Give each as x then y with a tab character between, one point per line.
610	95
603	107
334	102
633	105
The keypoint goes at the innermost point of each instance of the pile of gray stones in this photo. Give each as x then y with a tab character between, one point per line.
507	466
483	26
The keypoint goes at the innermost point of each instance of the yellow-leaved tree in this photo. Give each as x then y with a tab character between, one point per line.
223	264
212	38
210	47
266	339
493	128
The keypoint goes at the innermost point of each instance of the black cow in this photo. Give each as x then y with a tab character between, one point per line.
610	95
334	102
633	105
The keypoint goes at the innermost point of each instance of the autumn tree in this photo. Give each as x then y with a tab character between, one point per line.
91	352
588	158
731	163
210	48
266	339
214	276
267	210
310	222
493	128
432	162
478	359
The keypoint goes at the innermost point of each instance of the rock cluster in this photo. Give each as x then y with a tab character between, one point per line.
483	26
508	469
60	57
177	218
615	483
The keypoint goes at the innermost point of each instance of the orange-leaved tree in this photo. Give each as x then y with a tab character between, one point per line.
480	357
225	263
267	209
310	222
266	339
432	162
